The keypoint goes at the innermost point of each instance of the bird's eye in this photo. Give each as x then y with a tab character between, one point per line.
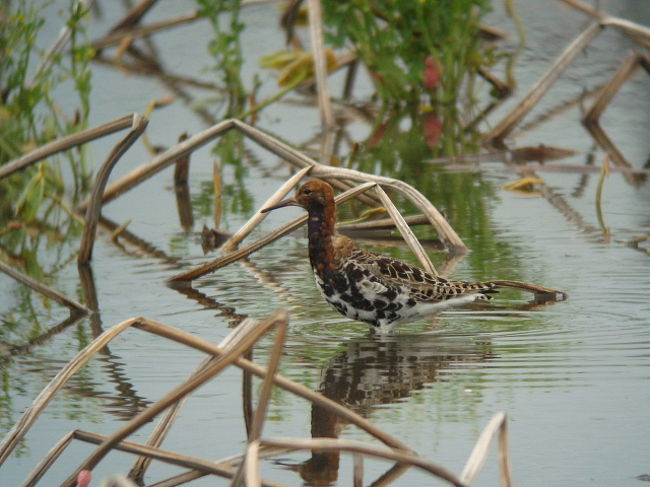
307	191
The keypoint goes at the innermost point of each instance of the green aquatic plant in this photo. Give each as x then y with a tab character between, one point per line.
36	203
29	113
225	48
416	51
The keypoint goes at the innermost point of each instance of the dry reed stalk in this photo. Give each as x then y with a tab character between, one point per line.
48	460
260	413
384	223
510	121
280	193
219	262
605	96
391	475
350	78
179	392
116	37
217	184
182	166
74	307
320	63
30	415
168	157
357	470
328	141
353	446
556	111
638	32
182	189
611	87
289	154
252	465
408	235
65	143
163	427
172	458
446	233
161	161
179	336
602	139
265	394
134	15
476	460
344	413
139	124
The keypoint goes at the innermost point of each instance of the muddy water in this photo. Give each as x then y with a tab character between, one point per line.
572	377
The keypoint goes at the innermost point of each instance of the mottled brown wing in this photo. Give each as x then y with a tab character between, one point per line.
423	286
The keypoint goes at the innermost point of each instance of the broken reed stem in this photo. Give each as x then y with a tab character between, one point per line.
215	264
182	189
163	427
31	414
139	124
178	393
161	161
412	241
280	193
477	458
73	306
320	62
260	412
510	121
172	458
182	166
66	143
280	381
337	445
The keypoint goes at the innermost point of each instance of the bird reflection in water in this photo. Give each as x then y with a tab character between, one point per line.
380	370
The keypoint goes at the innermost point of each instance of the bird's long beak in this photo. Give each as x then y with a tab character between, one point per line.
281	204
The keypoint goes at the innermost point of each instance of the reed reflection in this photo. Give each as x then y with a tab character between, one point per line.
380	370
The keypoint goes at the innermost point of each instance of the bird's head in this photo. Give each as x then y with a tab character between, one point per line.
312	195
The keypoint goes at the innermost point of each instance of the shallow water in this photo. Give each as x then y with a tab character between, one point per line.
572	376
